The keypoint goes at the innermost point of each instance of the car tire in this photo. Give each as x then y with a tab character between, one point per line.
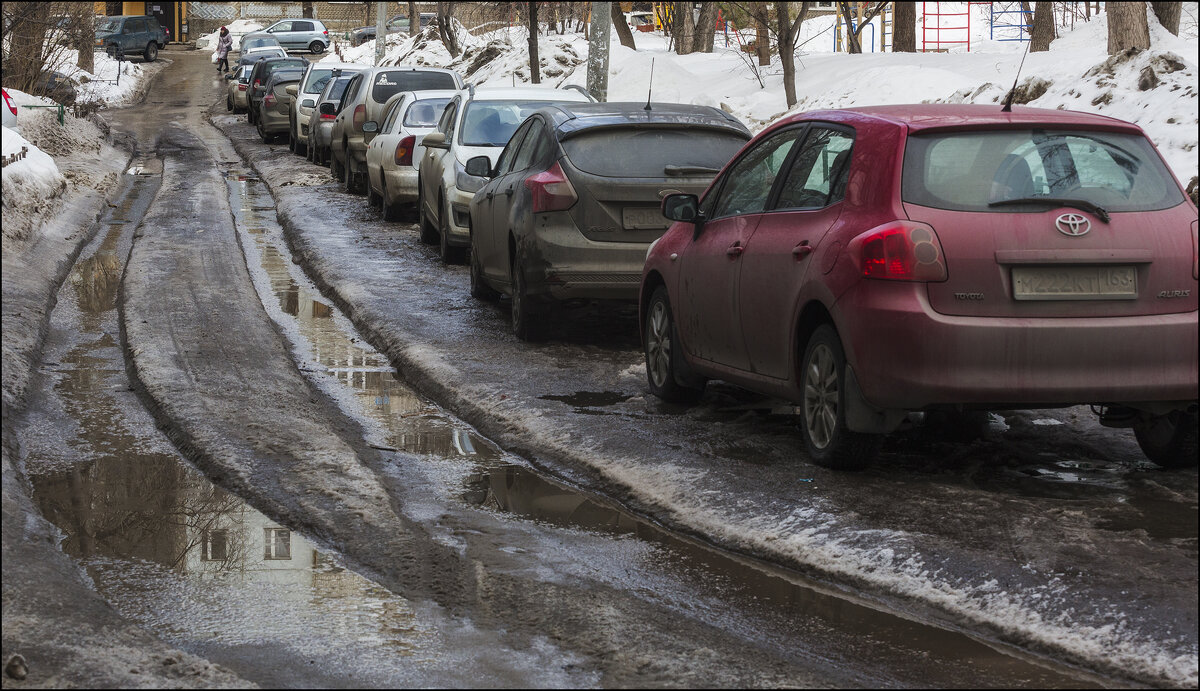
391	212
823	406
229	104
316	47
373	200
480	290
301	147
663	354
429	234
262	132
350	177
449	253
291	140
151	52
1169	440
335	166
528	317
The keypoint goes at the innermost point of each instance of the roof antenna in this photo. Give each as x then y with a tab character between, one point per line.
1012	93
650	89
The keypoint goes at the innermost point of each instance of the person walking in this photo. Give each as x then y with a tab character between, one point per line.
224	44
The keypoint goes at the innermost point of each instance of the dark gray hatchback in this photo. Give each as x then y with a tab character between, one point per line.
573	202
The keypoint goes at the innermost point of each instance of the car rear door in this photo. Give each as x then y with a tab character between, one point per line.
282	31
778	258
706	300
495	205
1133	256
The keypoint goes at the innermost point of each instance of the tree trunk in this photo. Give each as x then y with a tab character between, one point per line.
535	72
1027	17
445	10
1168	15
414	19
706	28
1043	27
904	28
681	17
786	32
852	44
306	10
761	38
623	32
87	39
1127	26
25	58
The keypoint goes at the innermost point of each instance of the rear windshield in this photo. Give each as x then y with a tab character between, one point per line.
338	88
425	113
317	80
258	41
492	123
272	67
647	153
388	84
968	171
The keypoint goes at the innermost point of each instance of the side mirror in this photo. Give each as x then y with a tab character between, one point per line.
435	140
229	76
370	126
308	103
479	166
681	207
328	108
292	89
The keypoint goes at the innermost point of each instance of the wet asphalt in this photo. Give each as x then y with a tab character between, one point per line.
566	578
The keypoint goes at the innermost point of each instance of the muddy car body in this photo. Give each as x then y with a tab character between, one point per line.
316	75
870	262
394	155
275	106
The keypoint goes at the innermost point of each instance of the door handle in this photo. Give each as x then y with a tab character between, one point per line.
735	250
509	191
802	250
490	194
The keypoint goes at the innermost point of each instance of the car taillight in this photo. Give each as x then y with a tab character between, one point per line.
551	189
326	32
13	109
360	116
328	117
1195	251
241	87
257	83
900	251
269	100
404	151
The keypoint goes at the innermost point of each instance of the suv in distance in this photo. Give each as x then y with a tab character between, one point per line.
131	35
298	34
869	262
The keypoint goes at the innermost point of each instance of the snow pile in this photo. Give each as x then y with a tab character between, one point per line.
101	86
237	29
29	185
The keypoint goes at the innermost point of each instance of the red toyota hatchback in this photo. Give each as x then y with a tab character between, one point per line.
869	262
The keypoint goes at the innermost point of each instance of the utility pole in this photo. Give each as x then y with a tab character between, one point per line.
598	43
380	31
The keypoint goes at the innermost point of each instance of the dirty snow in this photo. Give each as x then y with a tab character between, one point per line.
30	185
237	29
102	86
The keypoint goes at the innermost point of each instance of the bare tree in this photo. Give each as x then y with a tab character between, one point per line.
445	10
853	32
1026	17
306	10
86	31
1042	32
535	73
1168	14
1127	26
706	27
414	19
684	25
786	32
622	26
904	27
762	22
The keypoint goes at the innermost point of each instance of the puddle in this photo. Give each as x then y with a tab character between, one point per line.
589	399
411	423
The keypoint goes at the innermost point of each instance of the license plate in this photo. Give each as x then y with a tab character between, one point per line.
1075	283
642	219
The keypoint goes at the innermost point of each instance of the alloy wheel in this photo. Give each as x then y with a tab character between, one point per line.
821	396
658	344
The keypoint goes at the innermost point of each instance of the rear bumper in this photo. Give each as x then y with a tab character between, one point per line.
459	205
274	122
909	357
565	265
322	134
401	184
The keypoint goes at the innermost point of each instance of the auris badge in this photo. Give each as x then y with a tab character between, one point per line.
1073	225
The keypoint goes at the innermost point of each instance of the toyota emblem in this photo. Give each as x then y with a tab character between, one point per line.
1073	225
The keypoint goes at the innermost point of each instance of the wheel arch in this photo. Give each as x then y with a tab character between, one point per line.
652	281
811	316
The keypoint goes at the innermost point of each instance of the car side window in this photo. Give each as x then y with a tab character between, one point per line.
749	181
389	118
302	26
818	171
348	96
525	156
282	26
505	163
443	125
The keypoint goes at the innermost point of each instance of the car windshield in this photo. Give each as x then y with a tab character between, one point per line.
995	170
392	82
492	123
646	153
108	26
425	113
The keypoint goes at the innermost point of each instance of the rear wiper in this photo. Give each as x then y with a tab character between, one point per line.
690	170
1083	204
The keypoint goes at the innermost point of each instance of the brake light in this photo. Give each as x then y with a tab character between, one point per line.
328	117
241	87
326	32
257	83
404	151
13	109
900	251
551	189
360	116
269	100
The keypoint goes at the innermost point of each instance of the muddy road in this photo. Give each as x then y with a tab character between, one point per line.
279	436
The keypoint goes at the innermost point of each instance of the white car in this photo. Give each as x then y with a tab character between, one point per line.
316	75
10	111
394	155
476	122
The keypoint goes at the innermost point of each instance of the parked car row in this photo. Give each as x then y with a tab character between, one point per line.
863	264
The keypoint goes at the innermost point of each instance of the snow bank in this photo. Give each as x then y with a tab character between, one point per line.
237	29
29	185
101	86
